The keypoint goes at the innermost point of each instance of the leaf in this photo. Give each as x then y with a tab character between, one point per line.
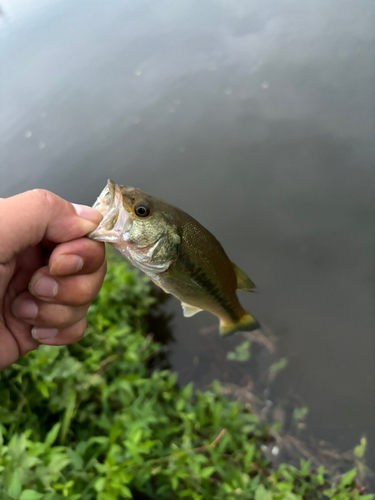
305	467
125	492
279	365
241	352
42	387
360	449
207	471
135	435
52	435
31	495
15	486
100	483
68	415
300	413
348	477
174	483
249	455
261	493
185	493
99	440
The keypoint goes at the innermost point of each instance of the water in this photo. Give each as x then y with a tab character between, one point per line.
254	117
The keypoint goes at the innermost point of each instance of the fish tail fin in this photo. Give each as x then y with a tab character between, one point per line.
247	323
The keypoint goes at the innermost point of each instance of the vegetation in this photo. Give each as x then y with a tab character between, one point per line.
93	421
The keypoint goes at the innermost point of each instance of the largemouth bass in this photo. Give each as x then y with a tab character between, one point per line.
176	252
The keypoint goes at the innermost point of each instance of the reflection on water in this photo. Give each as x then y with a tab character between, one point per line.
254	117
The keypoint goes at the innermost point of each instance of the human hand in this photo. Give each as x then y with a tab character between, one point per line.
49	273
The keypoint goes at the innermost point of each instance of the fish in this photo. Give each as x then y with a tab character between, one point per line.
176	252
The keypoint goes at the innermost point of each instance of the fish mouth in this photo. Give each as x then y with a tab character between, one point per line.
115	217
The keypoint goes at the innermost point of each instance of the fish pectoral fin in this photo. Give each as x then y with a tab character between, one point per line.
190	310
182	277
159	285
243	281
246	324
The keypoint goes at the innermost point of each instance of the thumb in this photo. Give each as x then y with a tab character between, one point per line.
28	218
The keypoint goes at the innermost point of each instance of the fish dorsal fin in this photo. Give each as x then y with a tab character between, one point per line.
190	310
243	282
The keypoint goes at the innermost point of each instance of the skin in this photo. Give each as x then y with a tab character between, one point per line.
49	273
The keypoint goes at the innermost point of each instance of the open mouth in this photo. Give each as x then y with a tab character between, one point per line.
106	198
109	204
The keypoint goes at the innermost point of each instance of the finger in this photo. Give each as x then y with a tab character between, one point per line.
39	215
15	345
39	313
82	256
63	336
76	290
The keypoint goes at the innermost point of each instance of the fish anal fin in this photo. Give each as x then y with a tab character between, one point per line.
246	324
243	281
190	310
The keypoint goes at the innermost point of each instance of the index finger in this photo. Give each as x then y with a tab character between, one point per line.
81	256
28	218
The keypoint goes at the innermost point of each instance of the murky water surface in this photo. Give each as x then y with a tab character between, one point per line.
256	117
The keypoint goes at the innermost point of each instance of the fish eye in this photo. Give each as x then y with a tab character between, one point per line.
142	210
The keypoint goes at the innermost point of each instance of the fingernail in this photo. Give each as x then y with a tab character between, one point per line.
43	333
25	309
66	264
87	213
43	286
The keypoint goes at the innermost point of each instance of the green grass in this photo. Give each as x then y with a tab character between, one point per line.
92	421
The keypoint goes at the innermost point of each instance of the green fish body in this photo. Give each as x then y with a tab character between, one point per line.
176	252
